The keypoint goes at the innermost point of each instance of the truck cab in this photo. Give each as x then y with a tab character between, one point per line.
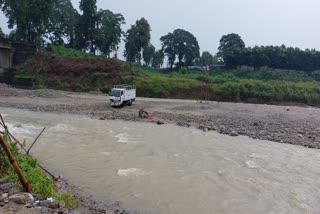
122	94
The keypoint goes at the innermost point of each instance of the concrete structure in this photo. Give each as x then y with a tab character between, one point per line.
6	54
13	54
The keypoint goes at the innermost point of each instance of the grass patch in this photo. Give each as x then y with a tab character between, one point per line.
41	184
69	52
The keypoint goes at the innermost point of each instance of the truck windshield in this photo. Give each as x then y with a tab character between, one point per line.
115	93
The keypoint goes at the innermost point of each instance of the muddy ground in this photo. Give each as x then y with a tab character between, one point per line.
298	125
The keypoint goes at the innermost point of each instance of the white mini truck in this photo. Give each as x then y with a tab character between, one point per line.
122	95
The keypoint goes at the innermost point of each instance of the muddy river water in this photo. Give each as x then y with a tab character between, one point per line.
168	169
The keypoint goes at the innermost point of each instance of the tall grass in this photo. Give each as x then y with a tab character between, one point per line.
264	85
63	51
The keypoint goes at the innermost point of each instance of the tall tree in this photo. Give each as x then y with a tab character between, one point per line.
168	47
16	12
230	42
148	54
131	49
30	17
41	13
206	59
62	23
87	24
109	31
137	38
182	45
158	58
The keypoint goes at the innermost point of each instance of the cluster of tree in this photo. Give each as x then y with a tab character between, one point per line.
138	46
180	47
234	53
97	31
37	21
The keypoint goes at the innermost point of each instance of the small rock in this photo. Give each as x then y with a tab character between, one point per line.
2	204
2	181
4	197
29	205
45	210
288	109
13	191
62	204
300	135
22	198
1	198
44	203
234	133
214	128
204	128
54	205
6	187
60	212
160	122
18	125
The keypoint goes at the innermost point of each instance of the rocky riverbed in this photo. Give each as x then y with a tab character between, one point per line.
13	200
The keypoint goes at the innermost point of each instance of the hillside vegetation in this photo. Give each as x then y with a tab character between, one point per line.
67	69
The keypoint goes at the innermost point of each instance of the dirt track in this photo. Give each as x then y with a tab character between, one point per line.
294	125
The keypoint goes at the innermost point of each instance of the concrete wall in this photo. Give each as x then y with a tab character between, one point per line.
5	57
22	52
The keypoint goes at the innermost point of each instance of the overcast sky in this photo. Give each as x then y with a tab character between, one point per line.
259	22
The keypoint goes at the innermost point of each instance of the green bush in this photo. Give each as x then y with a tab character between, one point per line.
63	51
41	184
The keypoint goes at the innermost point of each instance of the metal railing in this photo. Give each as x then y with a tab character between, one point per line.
127	87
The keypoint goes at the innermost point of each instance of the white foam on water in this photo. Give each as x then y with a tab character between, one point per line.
132	172
22	129
254	155
106	153
123	138
250	164
60	127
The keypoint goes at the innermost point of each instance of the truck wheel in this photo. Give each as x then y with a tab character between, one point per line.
130	102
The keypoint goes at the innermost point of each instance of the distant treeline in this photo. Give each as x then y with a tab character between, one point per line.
99	32
274	57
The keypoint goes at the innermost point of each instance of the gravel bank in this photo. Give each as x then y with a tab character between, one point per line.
283	124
